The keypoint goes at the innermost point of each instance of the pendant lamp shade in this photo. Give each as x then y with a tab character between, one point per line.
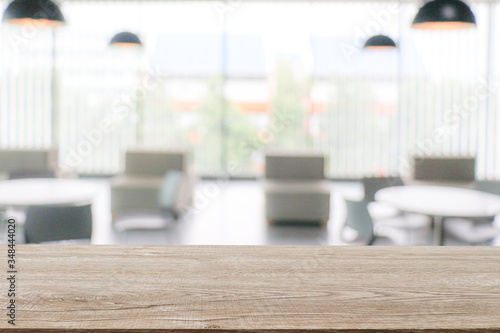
444	15
379	42
127	39
40	13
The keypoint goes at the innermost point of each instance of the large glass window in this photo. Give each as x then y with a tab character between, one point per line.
227	79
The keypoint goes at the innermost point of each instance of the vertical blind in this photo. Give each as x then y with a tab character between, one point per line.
230	79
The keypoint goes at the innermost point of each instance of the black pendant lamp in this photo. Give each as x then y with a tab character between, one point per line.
379	42
43	13
126	39
444	15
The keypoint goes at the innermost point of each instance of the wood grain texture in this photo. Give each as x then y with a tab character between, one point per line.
188	289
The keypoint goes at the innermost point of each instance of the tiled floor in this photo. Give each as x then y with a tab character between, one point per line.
232	213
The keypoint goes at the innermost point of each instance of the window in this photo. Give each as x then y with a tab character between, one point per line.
228	79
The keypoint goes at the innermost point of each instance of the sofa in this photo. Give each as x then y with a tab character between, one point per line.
295	188
138	188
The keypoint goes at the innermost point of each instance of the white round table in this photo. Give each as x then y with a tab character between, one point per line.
441	202
41	191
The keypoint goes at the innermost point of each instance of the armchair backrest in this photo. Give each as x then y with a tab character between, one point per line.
154	163
28	159
305	166
455	169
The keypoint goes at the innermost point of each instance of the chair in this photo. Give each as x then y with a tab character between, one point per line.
371	185
166	204
138	188
19	214
55	223
475	231
444	170
490	186
295	188
470	231
359	218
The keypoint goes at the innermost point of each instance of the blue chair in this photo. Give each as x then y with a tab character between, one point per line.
359	219
168	193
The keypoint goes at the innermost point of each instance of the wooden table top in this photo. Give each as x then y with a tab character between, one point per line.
65	288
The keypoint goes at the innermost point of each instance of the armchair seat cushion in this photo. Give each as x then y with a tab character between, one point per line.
297	207
297	186
134	196
133	181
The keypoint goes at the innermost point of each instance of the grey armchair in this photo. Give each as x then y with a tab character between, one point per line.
397	229
295	188
138	188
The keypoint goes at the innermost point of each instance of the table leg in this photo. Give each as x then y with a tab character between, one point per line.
438	230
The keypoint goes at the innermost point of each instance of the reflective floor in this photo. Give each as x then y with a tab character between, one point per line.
232	213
